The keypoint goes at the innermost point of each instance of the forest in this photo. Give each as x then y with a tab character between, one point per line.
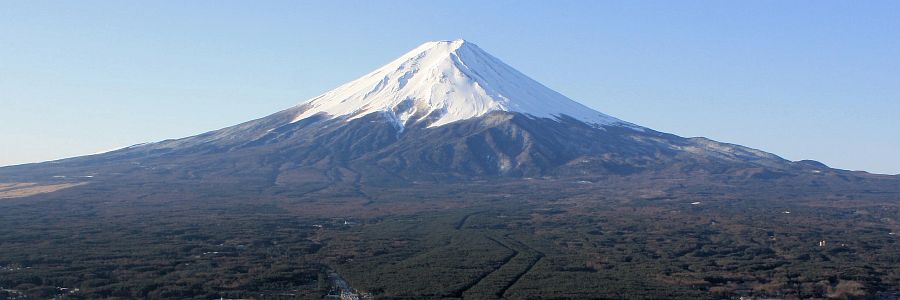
546	239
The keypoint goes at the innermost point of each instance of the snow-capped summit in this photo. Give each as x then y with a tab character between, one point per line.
441	82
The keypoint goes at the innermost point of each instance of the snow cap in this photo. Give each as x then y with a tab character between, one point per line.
441	82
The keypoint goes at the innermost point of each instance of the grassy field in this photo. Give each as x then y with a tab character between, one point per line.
25	189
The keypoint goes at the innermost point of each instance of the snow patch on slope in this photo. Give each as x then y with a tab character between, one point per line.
443	82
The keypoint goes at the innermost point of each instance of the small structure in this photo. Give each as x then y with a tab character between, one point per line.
345	295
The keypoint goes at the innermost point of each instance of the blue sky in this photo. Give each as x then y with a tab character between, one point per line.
802	79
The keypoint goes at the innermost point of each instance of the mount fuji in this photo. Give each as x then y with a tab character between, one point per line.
444	111
444	174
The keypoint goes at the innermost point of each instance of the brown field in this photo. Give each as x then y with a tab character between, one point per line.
24	189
